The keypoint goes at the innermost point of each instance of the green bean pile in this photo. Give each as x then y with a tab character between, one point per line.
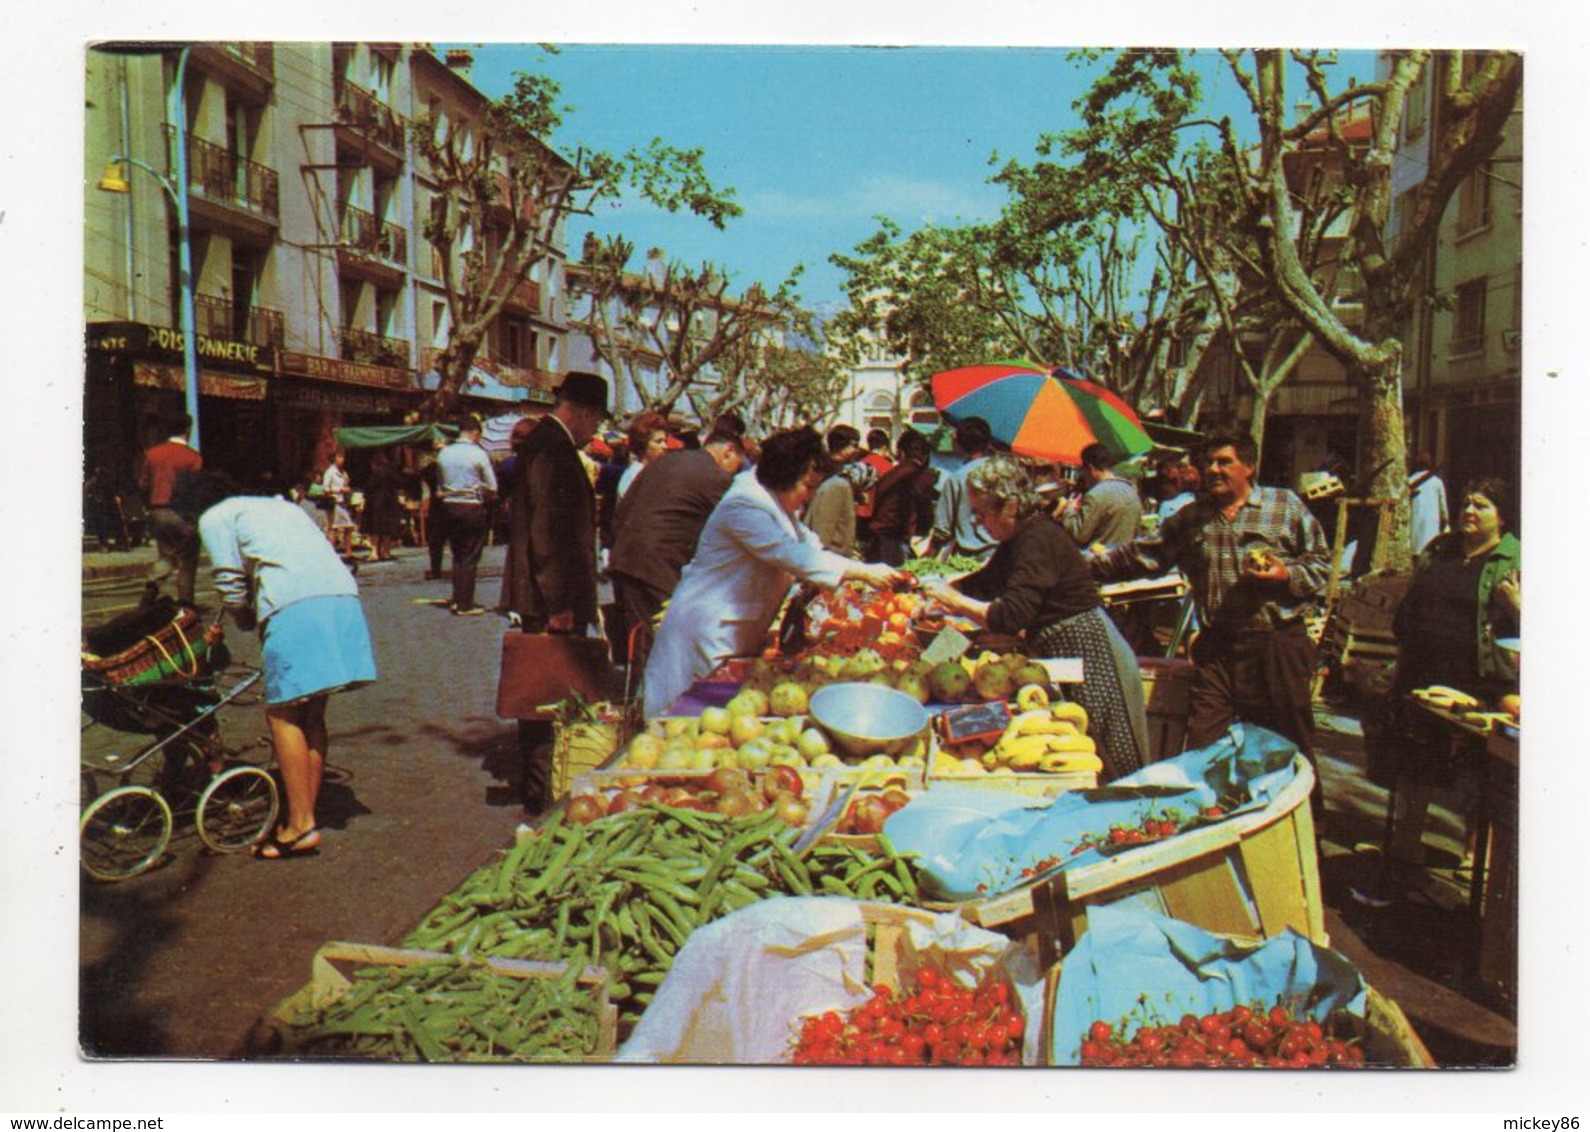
952	565
626	891
446	1010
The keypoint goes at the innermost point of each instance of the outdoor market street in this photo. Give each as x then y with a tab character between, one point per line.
181	961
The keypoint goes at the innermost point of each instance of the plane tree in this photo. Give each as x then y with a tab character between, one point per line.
1278	229
502	195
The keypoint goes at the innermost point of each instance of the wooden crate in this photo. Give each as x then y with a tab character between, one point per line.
1254	874
330	979
1387	1037
1167	695
1037	784
886	923
583	745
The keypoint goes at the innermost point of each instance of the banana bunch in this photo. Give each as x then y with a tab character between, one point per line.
1452	699
1049	740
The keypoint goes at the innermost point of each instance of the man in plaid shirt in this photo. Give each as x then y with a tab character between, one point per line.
1257	560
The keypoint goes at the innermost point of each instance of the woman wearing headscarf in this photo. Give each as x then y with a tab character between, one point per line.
1038	588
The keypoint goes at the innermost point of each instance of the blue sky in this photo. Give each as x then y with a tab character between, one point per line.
817	141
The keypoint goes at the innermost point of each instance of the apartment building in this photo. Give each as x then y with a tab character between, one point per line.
314	294
1463	390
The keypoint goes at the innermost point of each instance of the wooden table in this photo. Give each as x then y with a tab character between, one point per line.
1492	753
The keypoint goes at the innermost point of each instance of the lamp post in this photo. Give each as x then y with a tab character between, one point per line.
115	182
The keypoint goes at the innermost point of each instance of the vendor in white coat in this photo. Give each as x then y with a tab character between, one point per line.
753	548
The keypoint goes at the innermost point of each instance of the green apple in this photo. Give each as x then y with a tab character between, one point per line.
678	725
826	759
644	751
785	755
748	701
755	755
675	757
787	698
744	728
704	758
812	743
714	720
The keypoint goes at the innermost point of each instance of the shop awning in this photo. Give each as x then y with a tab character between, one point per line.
1170	436
212	383
384	436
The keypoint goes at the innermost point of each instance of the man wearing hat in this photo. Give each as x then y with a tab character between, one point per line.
552	536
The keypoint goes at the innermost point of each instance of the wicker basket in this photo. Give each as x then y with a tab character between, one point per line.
179	648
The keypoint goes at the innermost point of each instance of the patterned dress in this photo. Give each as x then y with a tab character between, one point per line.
1041	590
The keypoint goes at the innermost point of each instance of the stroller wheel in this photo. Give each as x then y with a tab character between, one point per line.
237	808
123	832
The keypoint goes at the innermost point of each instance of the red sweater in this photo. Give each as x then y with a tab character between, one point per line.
161	466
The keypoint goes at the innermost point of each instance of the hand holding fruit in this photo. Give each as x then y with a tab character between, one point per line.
877	574
953	600
1261	564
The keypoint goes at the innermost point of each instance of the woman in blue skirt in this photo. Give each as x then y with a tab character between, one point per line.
275	570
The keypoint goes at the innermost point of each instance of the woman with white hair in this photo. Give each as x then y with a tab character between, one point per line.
1038	588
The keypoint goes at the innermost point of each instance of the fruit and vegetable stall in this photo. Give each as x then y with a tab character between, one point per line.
886	845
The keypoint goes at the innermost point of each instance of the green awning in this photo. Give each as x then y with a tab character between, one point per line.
385	436
1170	436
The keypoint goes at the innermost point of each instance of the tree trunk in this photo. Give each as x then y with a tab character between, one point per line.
1385	464
453	368
1261	414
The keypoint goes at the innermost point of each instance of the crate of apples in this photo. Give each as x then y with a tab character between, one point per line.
727	791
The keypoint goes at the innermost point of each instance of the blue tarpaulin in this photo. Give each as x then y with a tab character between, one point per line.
973	843
1143	969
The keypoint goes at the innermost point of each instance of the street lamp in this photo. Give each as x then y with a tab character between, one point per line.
115	181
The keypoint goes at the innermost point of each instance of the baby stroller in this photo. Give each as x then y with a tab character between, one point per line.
158	673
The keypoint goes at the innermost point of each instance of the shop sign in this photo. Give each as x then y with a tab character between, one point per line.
346	372
118	337
233	386
138	337
301	395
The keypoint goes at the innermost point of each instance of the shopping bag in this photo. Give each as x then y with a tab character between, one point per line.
539	670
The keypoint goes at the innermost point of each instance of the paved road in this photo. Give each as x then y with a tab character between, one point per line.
181	960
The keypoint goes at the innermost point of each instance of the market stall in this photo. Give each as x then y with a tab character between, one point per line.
785	868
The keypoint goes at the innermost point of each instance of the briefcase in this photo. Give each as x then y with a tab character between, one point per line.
541	669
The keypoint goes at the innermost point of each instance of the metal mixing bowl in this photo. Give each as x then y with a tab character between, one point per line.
868	719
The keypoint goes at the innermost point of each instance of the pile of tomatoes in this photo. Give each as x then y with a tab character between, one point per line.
1151	828
854	617
1240	1038
940	1023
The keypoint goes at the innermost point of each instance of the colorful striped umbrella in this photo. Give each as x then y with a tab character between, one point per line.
1035	412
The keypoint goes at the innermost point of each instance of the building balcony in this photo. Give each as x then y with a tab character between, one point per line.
249	68
228	192
369	127
372	349
526	296
216	317
368	234
372	248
